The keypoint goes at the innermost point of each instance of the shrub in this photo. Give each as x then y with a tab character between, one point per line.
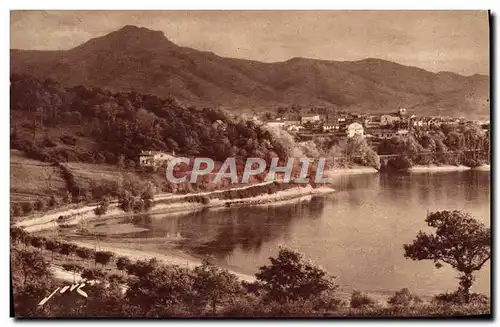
399	163
18	234
53	246
459	297
40	205
101	208
73	267
48	143
103	257
404	298
68	140
93	274
27	208
54	201
16	210
84	253
142	267
67	248
37	242
122	263
359	300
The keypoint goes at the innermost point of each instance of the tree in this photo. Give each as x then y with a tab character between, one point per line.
18	234
122	263
162	290
120	161
38	242
53	246
40	205
16	210
54	201
103	257
212	285
142	267
102	208
290	277
73	268
67	248
84	253
460	241
27	208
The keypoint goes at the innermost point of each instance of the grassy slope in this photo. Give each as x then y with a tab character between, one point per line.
31	179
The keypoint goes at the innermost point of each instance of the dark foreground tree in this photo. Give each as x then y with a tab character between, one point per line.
212	285
460	241
290	277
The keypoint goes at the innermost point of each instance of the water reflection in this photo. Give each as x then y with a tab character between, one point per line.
356	233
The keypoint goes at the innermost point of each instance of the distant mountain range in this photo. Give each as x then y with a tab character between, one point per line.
143	60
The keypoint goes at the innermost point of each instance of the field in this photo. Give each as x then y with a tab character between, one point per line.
32	179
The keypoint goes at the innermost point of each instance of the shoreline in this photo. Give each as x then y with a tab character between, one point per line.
75	216
350	171
482	168
434	168
169	259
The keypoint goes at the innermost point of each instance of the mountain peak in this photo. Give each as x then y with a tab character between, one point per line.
129	37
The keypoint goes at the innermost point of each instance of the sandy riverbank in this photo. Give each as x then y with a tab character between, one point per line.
185	260
482	168
75	216
334	172
434	168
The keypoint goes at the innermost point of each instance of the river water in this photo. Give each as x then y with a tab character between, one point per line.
356	233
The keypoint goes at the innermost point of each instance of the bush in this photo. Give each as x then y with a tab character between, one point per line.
102	208
37	242
458	297
73	267
40	205
16	210
54	201
142	267
399	163
68	140
48	143
122	263
67	248
28	208
84	253
404	298
359	300
93	274
103	257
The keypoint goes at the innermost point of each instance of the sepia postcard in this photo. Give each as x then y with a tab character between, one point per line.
250	164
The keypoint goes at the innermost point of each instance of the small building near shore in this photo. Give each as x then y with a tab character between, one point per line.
153	158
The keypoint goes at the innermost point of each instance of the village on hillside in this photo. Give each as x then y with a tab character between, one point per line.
383	126
340	126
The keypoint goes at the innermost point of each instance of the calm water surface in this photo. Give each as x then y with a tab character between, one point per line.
357	233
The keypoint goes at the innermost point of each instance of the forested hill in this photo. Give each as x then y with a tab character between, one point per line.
143	60
54	123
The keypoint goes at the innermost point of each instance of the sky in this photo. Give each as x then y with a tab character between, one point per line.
456	41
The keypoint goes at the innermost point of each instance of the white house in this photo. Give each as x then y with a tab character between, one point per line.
355	129
154	158
309	119
388	119
330	127
293	127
